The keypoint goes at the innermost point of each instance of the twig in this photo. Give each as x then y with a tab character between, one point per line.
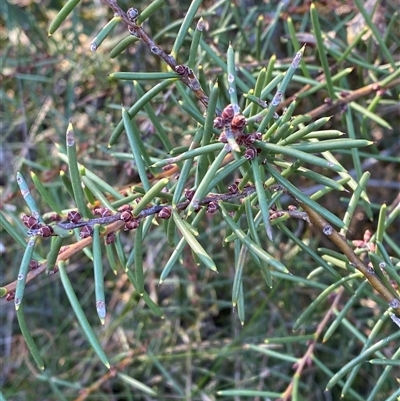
114	223
351	97
342	244
307	357
67	252
188	78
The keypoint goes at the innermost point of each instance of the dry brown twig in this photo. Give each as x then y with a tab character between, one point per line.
307	357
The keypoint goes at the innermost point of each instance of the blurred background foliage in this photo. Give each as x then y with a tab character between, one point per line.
200	347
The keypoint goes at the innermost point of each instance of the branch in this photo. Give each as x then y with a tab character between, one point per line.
187	75
113	224
342	244
351	97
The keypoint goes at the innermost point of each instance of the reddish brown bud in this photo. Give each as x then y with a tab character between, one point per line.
367	235
55	217
249	140
168	167
182	70
124	208
45	231
212	207
102	211
86	231
238	122
126	216
10	296
222	138
133	31
219	122
241	139
359	243
131	225
257	136
74	216
189	194
228	112
276	215
110	238
33	264
97	211
106	212
250	153
233	189
165	213
30	221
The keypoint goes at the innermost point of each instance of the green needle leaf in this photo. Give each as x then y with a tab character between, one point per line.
76	306
23	271
193	243
253	247
26	333
180	37
76	180
139	260
99	39
26	193
150	195
135	142
98	274
62	15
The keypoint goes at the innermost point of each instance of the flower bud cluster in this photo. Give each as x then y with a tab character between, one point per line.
235	122
36	227
102	211
131	223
